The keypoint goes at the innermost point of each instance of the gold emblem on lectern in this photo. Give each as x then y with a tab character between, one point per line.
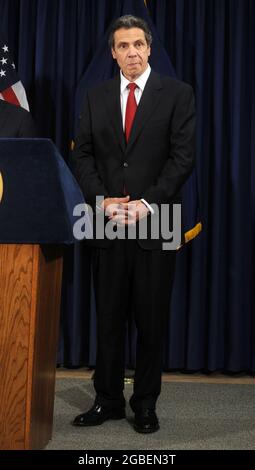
1	187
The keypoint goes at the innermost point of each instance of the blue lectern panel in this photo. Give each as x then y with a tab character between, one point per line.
38	193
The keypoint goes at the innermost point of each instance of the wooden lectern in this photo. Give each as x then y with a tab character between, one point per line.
30	280
30	291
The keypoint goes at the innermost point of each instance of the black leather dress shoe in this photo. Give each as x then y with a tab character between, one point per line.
146	421
98	415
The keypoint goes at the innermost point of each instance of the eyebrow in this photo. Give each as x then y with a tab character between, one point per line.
121	43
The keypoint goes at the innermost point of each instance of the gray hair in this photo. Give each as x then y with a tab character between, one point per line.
128	22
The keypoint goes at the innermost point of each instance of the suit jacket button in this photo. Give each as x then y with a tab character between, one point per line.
125	164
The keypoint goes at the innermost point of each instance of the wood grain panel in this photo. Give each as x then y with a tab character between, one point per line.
30	292
15	305
46	295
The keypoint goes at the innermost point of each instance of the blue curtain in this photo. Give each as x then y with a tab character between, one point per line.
211	45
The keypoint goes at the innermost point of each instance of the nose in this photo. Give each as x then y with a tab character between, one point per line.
132	51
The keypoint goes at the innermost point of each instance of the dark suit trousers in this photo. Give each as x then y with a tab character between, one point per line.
128	277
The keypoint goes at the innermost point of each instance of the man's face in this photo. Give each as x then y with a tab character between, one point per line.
131	52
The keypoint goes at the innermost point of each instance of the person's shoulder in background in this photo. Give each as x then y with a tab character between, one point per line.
15	121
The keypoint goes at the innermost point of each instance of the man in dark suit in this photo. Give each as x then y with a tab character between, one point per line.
15	121
135	148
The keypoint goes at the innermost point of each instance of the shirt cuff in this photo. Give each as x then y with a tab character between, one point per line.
148	205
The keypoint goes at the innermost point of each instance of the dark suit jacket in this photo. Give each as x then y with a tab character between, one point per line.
15	121
159	155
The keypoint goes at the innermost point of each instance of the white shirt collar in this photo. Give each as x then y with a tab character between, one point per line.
140	81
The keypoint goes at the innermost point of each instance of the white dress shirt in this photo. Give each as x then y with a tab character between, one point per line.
124	91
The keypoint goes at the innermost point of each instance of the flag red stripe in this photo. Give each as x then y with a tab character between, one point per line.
10	96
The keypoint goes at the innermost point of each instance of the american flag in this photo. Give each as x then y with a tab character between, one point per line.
11	88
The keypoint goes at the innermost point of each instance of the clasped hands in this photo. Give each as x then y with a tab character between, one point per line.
122	211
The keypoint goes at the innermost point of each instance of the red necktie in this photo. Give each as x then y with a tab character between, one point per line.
130	109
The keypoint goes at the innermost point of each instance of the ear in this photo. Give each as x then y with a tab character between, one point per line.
149	51
113	53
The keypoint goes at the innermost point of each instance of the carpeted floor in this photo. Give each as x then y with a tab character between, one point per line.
192	416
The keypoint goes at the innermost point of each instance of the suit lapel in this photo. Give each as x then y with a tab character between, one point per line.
112	97
147	104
